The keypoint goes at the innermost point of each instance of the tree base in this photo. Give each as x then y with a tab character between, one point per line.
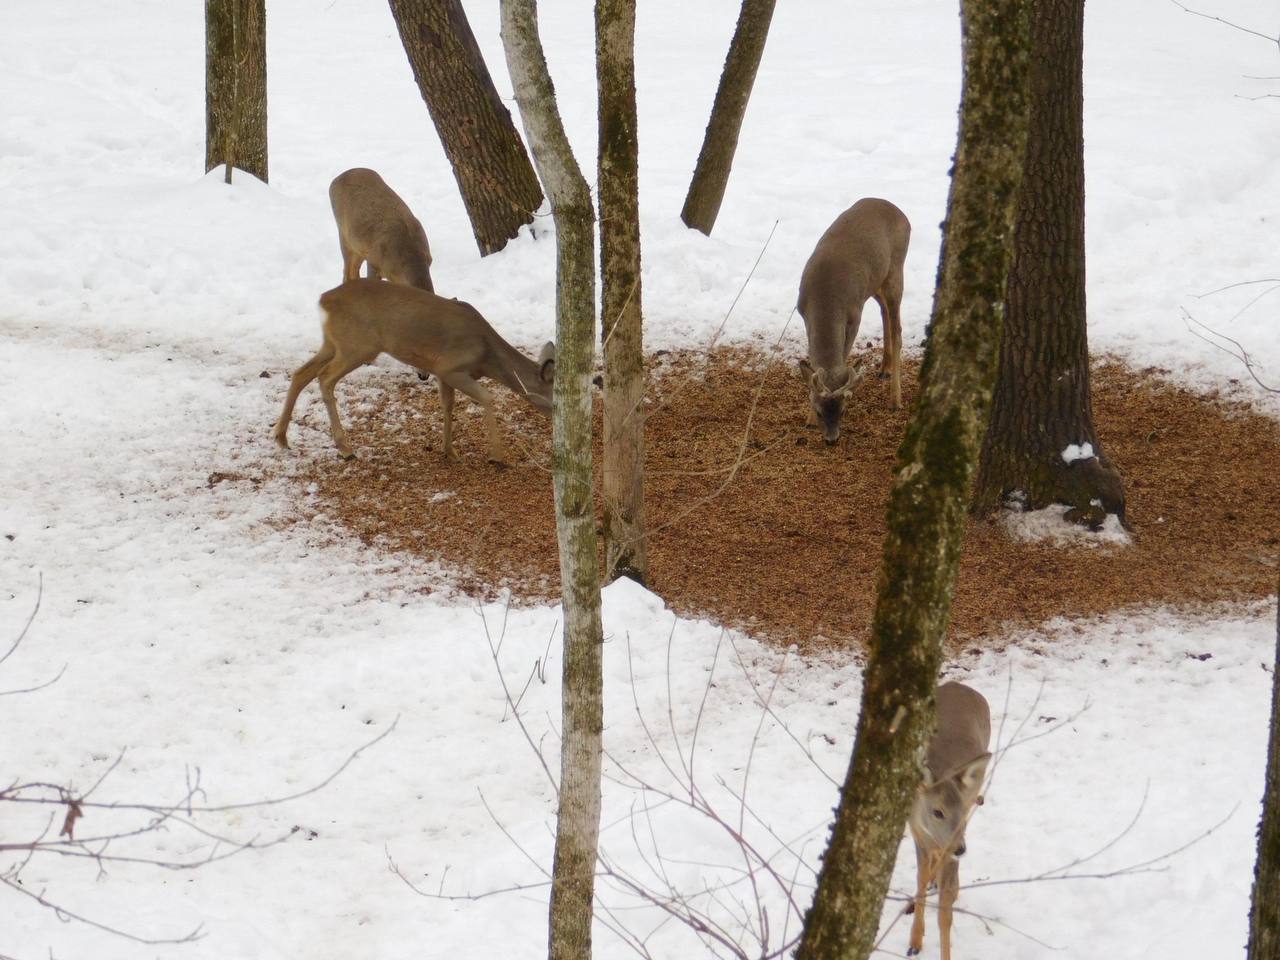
1089	489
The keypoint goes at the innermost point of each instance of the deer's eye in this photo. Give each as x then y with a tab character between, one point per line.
939	815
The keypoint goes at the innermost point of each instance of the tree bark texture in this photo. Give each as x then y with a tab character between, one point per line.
582	717
621	333
235	86
1264	918
498	185
711	175
928	501
1042	402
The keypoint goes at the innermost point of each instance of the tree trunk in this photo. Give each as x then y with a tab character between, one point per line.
930	490
578	820
235	86
497	182
711	176
1264	918
626	550
1042	403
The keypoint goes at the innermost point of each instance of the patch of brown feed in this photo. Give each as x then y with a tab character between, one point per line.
788	545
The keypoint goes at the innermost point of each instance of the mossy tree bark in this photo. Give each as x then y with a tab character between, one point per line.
1042	402
498	185
235	86
711	175
928	501
582	715
1264	918
621	333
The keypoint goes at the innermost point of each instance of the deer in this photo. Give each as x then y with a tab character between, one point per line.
952	776
860	256
376	227
366	318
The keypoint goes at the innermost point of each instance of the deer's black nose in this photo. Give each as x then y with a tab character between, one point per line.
960	849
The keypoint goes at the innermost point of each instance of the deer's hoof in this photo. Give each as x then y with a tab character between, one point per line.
347	454
913	951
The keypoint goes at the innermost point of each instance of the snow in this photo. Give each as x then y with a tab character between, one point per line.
1077	451
140	301
1049	524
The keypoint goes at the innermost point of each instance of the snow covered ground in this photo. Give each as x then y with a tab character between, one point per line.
139	301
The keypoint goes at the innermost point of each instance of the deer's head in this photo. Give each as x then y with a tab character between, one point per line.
828	390
539	393
941	807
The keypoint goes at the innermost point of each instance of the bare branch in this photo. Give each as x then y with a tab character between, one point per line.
1236	349
1227	23
506	692
64	914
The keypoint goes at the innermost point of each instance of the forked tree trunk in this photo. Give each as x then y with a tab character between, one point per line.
235	86
582	716
711	175
930	490
498	185
621	334
1264	918
1042	417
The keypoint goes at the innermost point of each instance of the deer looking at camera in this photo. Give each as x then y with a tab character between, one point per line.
955	767
376	227
859	257
365	318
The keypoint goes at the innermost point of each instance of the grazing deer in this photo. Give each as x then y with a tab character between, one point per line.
955	766
376	227
859	257
365	318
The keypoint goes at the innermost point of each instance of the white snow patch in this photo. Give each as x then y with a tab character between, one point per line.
1077	451
1047	524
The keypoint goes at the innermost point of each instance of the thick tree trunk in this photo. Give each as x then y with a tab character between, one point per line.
235	86
578	820
1042	417
930	490
497	182
711	176
1264	918
626	551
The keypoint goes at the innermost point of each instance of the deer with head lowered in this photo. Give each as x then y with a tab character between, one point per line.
954	770
376	227
859	257
365	318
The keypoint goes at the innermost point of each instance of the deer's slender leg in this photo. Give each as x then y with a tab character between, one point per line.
350	264
922	889
304	375
473	389
446	404
333	371
372	271
891	311
948	891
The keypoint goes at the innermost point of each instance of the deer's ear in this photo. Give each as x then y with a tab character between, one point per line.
547	362
973	773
